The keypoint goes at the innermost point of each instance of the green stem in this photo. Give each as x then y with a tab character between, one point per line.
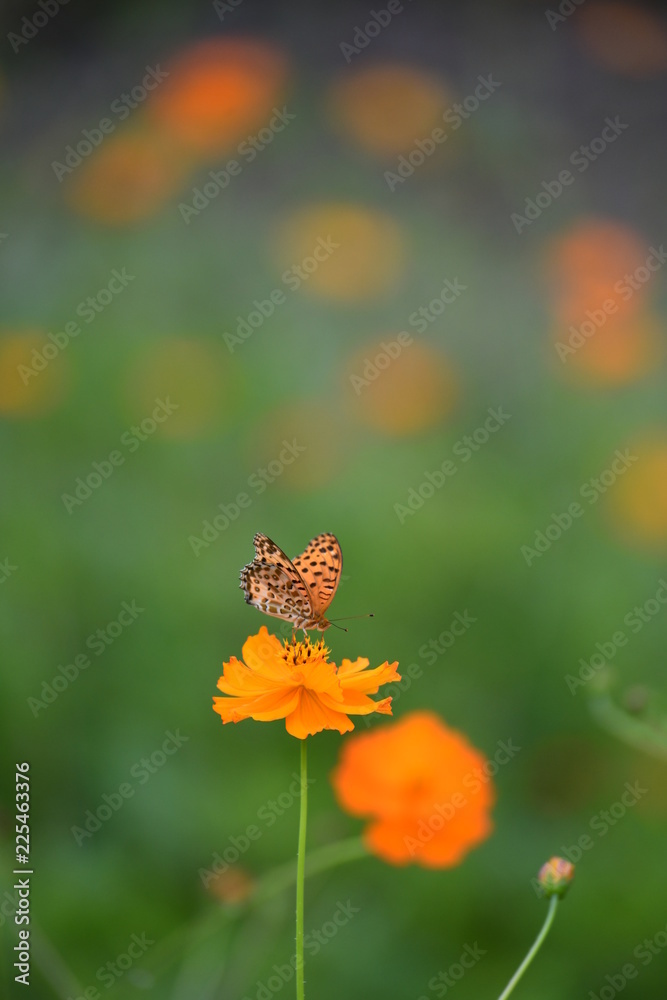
634	732
301	871
553	903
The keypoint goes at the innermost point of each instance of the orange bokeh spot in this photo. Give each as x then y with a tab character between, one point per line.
320	441
341	251
600	275
619	351
639	499
128	179
231	886
217	91
191	375
590	262
419	782
33	377
386	108
404	394
627	39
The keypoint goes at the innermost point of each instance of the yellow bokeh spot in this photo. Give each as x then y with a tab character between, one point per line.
384	109
33	376
217	91
341	251
191	376
126	180
299	446
625	38
639	498
402	394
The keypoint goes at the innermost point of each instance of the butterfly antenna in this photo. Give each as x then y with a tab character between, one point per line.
337	626
348	618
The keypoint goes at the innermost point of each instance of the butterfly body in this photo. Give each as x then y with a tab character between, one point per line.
299	590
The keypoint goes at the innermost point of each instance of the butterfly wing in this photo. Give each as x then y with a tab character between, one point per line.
320	567
272	584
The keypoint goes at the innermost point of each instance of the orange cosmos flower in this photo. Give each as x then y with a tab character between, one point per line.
295	681
425	786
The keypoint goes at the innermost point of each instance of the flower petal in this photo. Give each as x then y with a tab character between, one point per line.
355	703
352	677
312	716
263	708
348	667
262	653
237	679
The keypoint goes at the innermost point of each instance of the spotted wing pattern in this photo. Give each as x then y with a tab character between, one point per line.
320	567
272	584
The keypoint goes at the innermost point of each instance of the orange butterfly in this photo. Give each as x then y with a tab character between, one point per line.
298	591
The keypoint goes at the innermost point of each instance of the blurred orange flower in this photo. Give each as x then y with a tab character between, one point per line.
129	179
217	90
630	39
424	786
385	107
401	391
295	681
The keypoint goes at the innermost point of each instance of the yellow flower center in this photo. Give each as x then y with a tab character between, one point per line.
297	654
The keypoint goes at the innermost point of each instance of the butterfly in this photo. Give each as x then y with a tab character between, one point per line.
297	590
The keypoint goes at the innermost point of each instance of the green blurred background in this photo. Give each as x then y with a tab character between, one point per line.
170	334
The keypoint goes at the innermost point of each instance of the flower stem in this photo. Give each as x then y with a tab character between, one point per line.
301	871
553	903
319	860
634	732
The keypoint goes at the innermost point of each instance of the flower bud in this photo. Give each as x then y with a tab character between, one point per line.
555	876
